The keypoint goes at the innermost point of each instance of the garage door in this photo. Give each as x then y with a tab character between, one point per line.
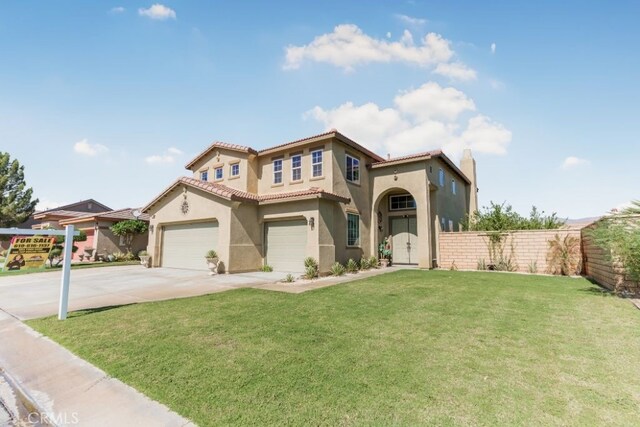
286	245
184	245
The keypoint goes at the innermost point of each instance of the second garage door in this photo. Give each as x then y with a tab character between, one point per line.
184	245
286	245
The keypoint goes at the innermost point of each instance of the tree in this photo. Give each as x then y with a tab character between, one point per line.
16	203
502	217
129	229
619	235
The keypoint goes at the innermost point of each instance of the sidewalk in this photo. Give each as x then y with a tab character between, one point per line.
69	391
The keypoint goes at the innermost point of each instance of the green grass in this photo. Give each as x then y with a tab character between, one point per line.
58	268
406	348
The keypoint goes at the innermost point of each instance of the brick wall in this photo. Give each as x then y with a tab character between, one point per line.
465	249
600	267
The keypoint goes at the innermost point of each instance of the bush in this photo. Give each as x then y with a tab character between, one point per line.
533	267
121	256
502	217
143	253
311	272
564	256
352	266
310	262
289	278
373	262
338	269
211	254
364	263
267	268
482	265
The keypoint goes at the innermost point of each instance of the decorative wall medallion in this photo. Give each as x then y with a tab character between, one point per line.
184	207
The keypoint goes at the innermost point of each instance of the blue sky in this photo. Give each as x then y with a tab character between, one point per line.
109	100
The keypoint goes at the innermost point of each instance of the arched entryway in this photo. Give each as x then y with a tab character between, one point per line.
402	216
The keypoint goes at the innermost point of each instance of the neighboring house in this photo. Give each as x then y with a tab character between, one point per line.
50	218
100	238
325	197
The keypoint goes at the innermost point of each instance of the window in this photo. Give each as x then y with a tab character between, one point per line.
277	171
316	163
450	225
353	229
441	177
235	169
353	169
218	173
443	222
453	186
204	176
402	202
296	167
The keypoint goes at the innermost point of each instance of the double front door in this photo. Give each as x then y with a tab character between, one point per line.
404	230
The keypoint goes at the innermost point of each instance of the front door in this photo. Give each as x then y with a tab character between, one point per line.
405	239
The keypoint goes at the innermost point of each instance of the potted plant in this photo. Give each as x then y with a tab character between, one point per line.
145	259
212	261
88	253
385	253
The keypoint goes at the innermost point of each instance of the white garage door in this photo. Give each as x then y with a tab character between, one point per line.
286	245
184	245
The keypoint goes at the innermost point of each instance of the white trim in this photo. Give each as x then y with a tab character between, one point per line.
279	171
346	170
402	209
296	168
321	151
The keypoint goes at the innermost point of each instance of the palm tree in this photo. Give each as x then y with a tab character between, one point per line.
634	209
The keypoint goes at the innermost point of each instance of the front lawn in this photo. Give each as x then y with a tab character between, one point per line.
406	348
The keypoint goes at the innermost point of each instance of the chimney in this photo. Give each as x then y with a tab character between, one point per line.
468	167
388	156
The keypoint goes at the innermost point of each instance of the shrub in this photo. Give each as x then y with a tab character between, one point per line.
211	254
364	263
352	266
289	278
564	256
310	262
121	256
143	253
337	269
482	264
373	262
267	268
533	267
502	217
311	272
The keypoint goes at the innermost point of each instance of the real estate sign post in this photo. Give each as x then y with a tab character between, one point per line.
28	252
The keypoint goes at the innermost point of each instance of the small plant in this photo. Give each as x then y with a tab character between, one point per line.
373	262
310	262
289	278
267	268
311	272
482	265
143	253
532	268
211	254
121	256
365	263
453	267
352	266
506	264
338	269
564	255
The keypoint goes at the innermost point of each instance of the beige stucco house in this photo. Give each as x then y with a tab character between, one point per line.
325	197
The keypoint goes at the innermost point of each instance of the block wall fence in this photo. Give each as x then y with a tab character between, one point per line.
526	248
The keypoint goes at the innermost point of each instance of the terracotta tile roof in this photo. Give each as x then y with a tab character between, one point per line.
238	195
115	215
58	213
332	132
224	145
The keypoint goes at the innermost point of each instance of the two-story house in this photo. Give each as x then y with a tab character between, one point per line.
325	197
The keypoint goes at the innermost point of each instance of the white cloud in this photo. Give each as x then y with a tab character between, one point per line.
429	117
411	21
456	71
496	84
159	12
388	34
168	157
433	101
574	162
116	10
493	48
347	46
83	147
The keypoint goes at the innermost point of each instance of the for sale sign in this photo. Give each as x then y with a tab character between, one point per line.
28	252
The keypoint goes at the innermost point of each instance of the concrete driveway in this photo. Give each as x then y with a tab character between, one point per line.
36	295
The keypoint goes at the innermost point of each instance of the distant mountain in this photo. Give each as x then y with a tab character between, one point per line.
582	222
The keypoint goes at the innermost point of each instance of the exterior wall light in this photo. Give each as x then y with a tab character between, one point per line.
312	222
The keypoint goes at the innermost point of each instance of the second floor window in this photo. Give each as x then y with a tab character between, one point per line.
277	171
218	173
453	186
441	177
316	163
296	167
204	176
235	169
353	169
